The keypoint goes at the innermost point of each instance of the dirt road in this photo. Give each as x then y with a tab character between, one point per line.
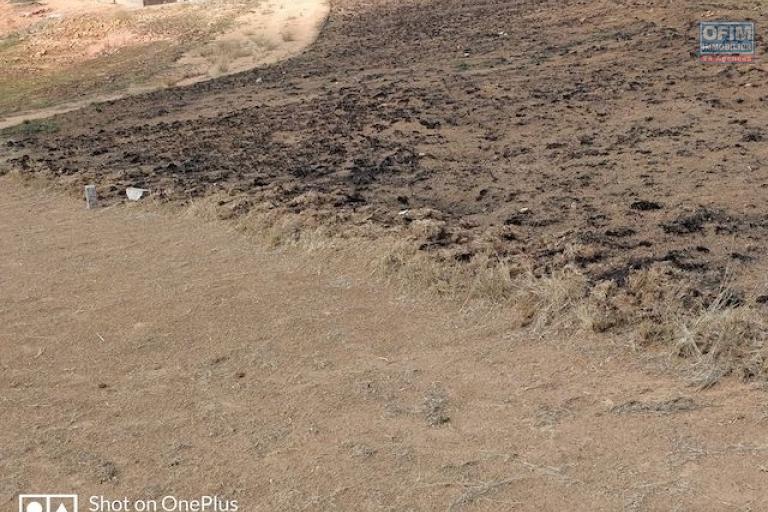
145	353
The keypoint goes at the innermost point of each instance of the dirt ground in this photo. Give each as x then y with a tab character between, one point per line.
556	132
57	55
146	353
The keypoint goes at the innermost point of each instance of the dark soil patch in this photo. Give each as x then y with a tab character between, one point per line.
574	135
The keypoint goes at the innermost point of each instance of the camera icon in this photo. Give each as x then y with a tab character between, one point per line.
48	503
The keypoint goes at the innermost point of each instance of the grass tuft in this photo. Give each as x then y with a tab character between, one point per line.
726	340
550	300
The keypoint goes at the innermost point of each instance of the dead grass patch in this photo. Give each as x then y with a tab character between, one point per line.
655	309
725	340
551	300
10	41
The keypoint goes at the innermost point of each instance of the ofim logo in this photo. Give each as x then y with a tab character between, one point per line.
727	41
48	503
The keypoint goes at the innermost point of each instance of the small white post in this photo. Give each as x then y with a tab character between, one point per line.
91	198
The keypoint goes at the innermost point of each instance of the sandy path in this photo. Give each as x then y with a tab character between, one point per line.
145	354
274	31
269	32
16	15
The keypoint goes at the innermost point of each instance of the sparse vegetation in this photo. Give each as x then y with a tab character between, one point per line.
126	50
725	339
715	340
9	41
31	127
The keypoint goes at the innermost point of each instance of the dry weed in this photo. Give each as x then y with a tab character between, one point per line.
551	300
724	339
653	306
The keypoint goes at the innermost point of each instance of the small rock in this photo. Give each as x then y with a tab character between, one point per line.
135	194
645	205
91	197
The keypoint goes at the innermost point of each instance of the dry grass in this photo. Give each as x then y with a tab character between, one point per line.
265	43
551	301
66	60
30	127
655	309
539	301
476	492
712	338
221	54
720	336
104	74
725	340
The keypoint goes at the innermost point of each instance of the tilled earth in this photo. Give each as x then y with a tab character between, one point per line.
563	132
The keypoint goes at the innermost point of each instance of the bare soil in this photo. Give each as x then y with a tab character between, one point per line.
59	55
556	132
145	353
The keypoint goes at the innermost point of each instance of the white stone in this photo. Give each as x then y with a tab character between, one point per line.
134	194
91	198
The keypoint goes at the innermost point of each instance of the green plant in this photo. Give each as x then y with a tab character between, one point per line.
9	41
31	127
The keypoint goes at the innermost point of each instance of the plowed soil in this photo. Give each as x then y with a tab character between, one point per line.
562	132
